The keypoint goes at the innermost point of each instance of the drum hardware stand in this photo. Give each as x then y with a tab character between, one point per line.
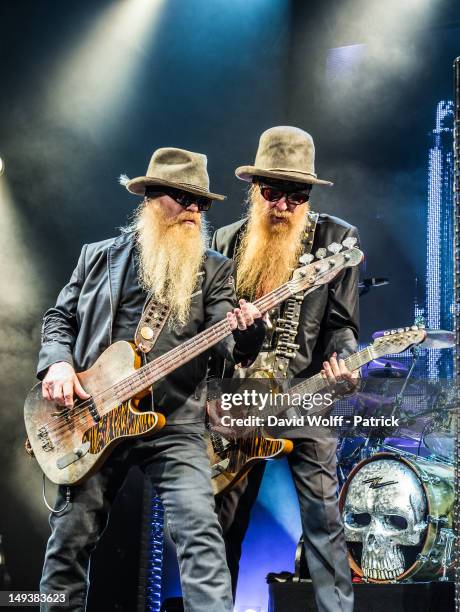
448	536
397	407
375	437
372	443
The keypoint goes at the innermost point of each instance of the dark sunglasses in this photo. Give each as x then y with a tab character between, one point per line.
184	198
274	194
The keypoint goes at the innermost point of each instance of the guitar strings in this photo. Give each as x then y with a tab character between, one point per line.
55	427
123	385
164	361
142	371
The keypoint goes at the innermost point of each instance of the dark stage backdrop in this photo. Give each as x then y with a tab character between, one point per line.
88	92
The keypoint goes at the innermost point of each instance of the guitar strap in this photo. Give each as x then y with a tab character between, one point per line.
152	321
283	335
287	323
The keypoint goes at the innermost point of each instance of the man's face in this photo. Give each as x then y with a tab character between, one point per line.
174	213
282	200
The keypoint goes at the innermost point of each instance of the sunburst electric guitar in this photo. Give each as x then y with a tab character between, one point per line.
71	443
232	457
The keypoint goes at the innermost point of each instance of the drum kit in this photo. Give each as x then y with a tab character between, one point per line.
397	483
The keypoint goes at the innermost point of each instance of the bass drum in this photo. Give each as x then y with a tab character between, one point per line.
398	513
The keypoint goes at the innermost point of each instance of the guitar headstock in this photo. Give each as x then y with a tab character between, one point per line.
322	270
397	340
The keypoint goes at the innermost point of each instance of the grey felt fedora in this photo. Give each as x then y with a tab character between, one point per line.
286	153
176	168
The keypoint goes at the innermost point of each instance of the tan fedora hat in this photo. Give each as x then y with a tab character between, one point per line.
286	153
175	168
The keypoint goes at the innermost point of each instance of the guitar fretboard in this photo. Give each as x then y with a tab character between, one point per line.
316	383
173	359
313	275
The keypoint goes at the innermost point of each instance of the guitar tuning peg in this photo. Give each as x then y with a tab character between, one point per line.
334	248
321	253
349	242
306	258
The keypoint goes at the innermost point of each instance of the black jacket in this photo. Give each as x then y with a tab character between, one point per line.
329	318
79	327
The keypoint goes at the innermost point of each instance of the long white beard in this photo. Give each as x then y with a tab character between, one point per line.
171	255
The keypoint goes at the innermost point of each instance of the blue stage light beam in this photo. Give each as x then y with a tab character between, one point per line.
278	497
272	537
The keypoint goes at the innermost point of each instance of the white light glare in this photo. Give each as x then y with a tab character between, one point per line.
96	78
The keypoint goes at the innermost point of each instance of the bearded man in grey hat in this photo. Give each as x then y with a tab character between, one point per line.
162	254
314	334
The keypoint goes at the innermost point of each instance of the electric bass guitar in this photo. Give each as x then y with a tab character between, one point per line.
232	457
71	443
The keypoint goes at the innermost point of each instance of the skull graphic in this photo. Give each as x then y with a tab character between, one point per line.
384	509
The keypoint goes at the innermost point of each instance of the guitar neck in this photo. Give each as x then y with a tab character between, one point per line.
316	383
173	359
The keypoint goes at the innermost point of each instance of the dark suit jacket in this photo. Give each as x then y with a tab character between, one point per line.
329	318
79	327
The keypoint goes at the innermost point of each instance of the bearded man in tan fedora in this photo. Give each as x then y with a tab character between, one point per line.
304	337
161	254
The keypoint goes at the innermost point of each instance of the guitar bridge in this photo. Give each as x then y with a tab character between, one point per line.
45	439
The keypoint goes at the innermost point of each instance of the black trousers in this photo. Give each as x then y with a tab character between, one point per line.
178	467
313	467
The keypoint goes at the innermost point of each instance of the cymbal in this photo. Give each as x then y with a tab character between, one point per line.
438	339
385	368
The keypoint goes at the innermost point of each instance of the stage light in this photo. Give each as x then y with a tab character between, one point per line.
21	306
2	166
440	262
381	34
99	74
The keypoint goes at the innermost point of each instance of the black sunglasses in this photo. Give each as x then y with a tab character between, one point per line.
295	197
184	198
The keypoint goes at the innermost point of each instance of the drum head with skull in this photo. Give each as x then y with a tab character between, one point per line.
384	513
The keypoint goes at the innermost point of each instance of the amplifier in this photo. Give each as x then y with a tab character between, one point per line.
400	597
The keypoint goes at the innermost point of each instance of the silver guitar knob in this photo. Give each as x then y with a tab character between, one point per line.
349	242
321	253
334	248
306	259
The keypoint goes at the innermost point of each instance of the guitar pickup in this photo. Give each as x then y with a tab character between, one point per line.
75	455
94	412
